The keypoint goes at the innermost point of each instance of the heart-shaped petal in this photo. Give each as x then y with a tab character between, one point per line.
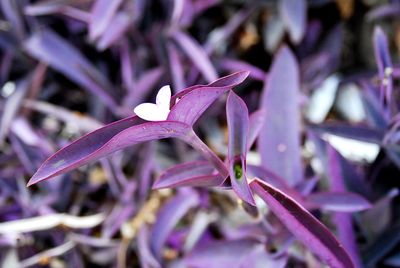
158	111
163	97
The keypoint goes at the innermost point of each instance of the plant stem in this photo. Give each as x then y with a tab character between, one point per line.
193	140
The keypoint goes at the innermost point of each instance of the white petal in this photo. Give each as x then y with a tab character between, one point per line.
151	112
164	96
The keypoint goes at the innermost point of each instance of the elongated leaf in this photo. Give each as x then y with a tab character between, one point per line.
146	257
314	235
343	221
51	253
129	131
256	122
104	141
260	258
196	54
385	67
237	65
169	216
382	53
83	122
176	68
275	180
198	173
48	47
238	128
189	104
143	86
279	141
120	23
11	108
220	253
10	10
102	13
382	246
338	201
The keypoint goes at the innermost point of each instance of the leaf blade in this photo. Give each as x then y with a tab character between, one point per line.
303	225
238	129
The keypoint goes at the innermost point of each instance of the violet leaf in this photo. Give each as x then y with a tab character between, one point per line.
197	173
314	235
196	54
189	104
256	121
102	14
104	141
169	216
132	130
384	62
50	48
338	201
343	221
217	254
279	141
238	128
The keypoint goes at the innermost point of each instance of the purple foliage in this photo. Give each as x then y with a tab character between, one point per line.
279	148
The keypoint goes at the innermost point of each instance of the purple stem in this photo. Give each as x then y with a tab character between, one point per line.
193	140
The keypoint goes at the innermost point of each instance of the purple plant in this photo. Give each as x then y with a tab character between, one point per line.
289	159
185	108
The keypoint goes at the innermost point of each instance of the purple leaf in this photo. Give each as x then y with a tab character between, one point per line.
83	122
338	201
198	173
104	141
314	235
385	67
143	87
382	54
344	221
218	254
146	257
48	47
120	24
219	37
383	11
275	180
279	141
132	130
10	10
197	55
294	15
236	65
259	258
193	101
238	128
382	245
102	14
11	107
256	122
176	68
169	216
44	8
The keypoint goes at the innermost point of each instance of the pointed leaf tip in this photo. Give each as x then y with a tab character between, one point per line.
311	232
238	129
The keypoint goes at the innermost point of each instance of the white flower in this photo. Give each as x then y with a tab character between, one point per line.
156	111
